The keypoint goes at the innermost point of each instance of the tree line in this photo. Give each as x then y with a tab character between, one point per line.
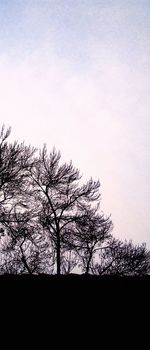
51	223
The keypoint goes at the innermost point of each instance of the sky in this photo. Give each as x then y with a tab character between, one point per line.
75	74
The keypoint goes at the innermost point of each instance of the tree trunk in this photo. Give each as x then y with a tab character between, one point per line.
24	260
58	255
26	265
89	262
87	267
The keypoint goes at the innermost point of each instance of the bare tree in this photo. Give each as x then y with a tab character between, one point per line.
57	189
49	221
93	231
23	246
15	162
123	258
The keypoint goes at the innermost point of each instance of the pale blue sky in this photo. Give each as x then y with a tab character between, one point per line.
76	74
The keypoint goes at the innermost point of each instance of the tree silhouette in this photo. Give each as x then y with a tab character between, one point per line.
15	162
92	232
23	246
50	222
58	191
123	258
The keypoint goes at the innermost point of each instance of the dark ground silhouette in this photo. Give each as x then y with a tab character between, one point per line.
64	309
76	288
